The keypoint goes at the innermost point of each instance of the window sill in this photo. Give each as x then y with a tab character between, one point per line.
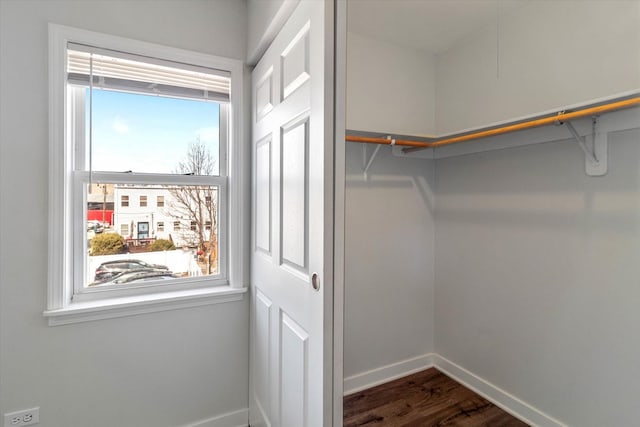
141	304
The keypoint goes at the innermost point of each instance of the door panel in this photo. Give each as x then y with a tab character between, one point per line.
264	95
294	366
262	339
295	63
294	207
292	195
263	195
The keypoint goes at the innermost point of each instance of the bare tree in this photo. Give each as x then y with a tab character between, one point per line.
197	204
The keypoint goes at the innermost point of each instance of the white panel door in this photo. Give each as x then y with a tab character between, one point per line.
292	226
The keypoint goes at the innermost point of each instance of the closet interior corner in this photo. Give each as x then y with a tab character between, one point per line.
492	222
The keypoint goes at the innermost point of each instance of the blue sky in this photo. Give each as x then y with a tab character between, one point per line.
145	133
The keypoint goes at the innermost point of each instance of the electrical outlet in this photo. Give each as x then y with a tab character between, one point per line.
27	417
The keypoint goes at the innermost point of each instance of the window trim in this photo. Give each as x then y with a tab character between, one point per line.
60	307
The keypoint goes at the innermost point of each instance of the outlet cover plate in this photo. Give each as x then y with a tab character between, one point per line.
26	417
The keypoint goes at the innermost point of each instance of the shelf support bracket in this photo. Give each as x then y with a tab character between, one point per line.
371	159
591	156
373	156
595	161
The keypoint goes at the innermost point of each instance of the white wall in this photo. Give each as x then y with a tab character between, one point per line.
389	88
389	230
537	276
161	369
549	55
542	56
389	272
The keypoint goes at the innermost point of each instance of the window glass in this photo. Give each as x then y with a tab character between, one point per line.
143	121
133	132
133	237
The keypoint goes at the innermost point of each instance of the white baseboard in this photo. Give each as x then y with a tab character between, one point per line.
232	419
495	395
387	373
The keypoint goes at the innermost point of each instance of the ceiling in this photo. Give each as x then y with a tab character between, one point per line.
431	26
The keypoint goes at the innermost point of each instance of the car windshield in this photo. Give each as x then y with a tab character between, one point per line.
145	264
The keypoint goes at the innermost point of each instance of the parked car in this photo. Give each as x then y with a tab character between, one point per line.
108	270
137	276
96	226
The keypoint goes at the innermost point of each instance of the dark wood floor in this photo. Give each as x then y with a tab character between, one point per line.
427	398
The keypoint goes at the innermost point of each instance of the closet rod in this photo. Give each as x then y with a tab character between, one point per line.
401	142
553	119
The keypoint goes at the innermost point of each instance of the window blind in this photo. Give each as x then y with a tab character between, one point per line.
132	73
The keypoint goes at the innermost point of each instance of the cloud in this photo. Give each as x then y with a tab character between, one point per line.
120	125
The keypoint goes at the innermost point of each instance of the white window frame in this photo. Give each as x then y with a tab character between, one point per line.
64	224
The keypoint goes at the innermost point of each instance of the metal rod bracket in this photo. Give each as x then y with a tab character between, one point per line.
595	161
373	156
